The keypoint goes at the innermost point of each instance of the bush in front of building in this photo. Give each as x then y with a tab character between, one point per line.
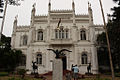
4	74
21	72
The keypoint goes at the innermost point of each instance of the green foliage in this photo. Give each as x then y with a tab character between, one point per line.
95	79
116	13
113	28
21	72
12	78
9	58
3	73
16	79
117	74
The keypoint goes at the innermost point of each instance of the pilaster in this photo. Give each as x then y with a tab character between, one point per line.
29	60
94	60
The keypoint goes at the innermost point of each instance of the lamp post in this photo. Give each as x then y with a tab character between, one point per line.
108	43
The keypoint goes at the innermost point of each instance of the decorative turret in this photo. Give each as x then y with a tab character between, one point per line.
73	8
91	27
15	24
14	32
73	5
90	14
49	9
33	14
49	5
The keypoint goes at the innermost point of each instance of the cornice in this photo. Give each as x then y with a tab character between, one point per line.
61	11
82	15
98	25
23	26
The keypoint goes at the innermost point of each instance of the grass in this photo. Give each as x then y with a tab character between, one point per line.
17	78
3	73
13	77
95	79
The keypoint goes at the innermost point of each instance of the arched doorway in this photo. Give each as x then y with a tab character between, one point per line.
64	60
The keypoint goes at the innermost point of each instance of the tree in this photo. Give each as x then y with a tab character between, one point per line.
9	58
113	28
1	5
116	13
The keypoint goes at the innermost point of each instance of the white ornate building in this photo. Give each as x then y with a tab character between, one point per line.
77	33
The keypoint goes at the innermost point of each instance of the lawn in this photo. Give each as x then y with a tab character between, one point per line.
49	78
17	78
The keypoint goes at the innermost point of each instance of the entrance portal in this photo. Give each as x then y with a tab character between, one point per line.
64	63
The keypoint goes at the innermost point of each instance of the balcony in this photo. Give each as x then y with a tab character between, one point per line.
61	42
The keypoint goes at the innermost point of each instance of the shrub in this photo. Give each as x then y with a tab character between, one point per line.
21	72
12	79
3	73
117	74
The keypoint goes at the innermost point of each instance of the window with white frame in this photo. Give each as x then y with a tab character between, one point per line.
83	34
84	58
61	34
25	38
40	35
39	58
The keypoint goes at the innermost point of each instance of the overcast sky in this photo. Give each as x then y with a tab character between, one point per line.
24	10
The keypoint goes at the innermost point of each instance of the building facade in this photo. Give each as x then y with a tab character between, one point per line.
76	33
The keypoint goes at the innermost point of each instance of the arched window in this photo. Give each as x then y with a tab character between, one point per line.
84	58
25	38
39	59
83	35
40	35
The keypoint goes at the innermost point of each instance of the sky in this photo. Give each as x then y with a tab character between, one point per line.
24	11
